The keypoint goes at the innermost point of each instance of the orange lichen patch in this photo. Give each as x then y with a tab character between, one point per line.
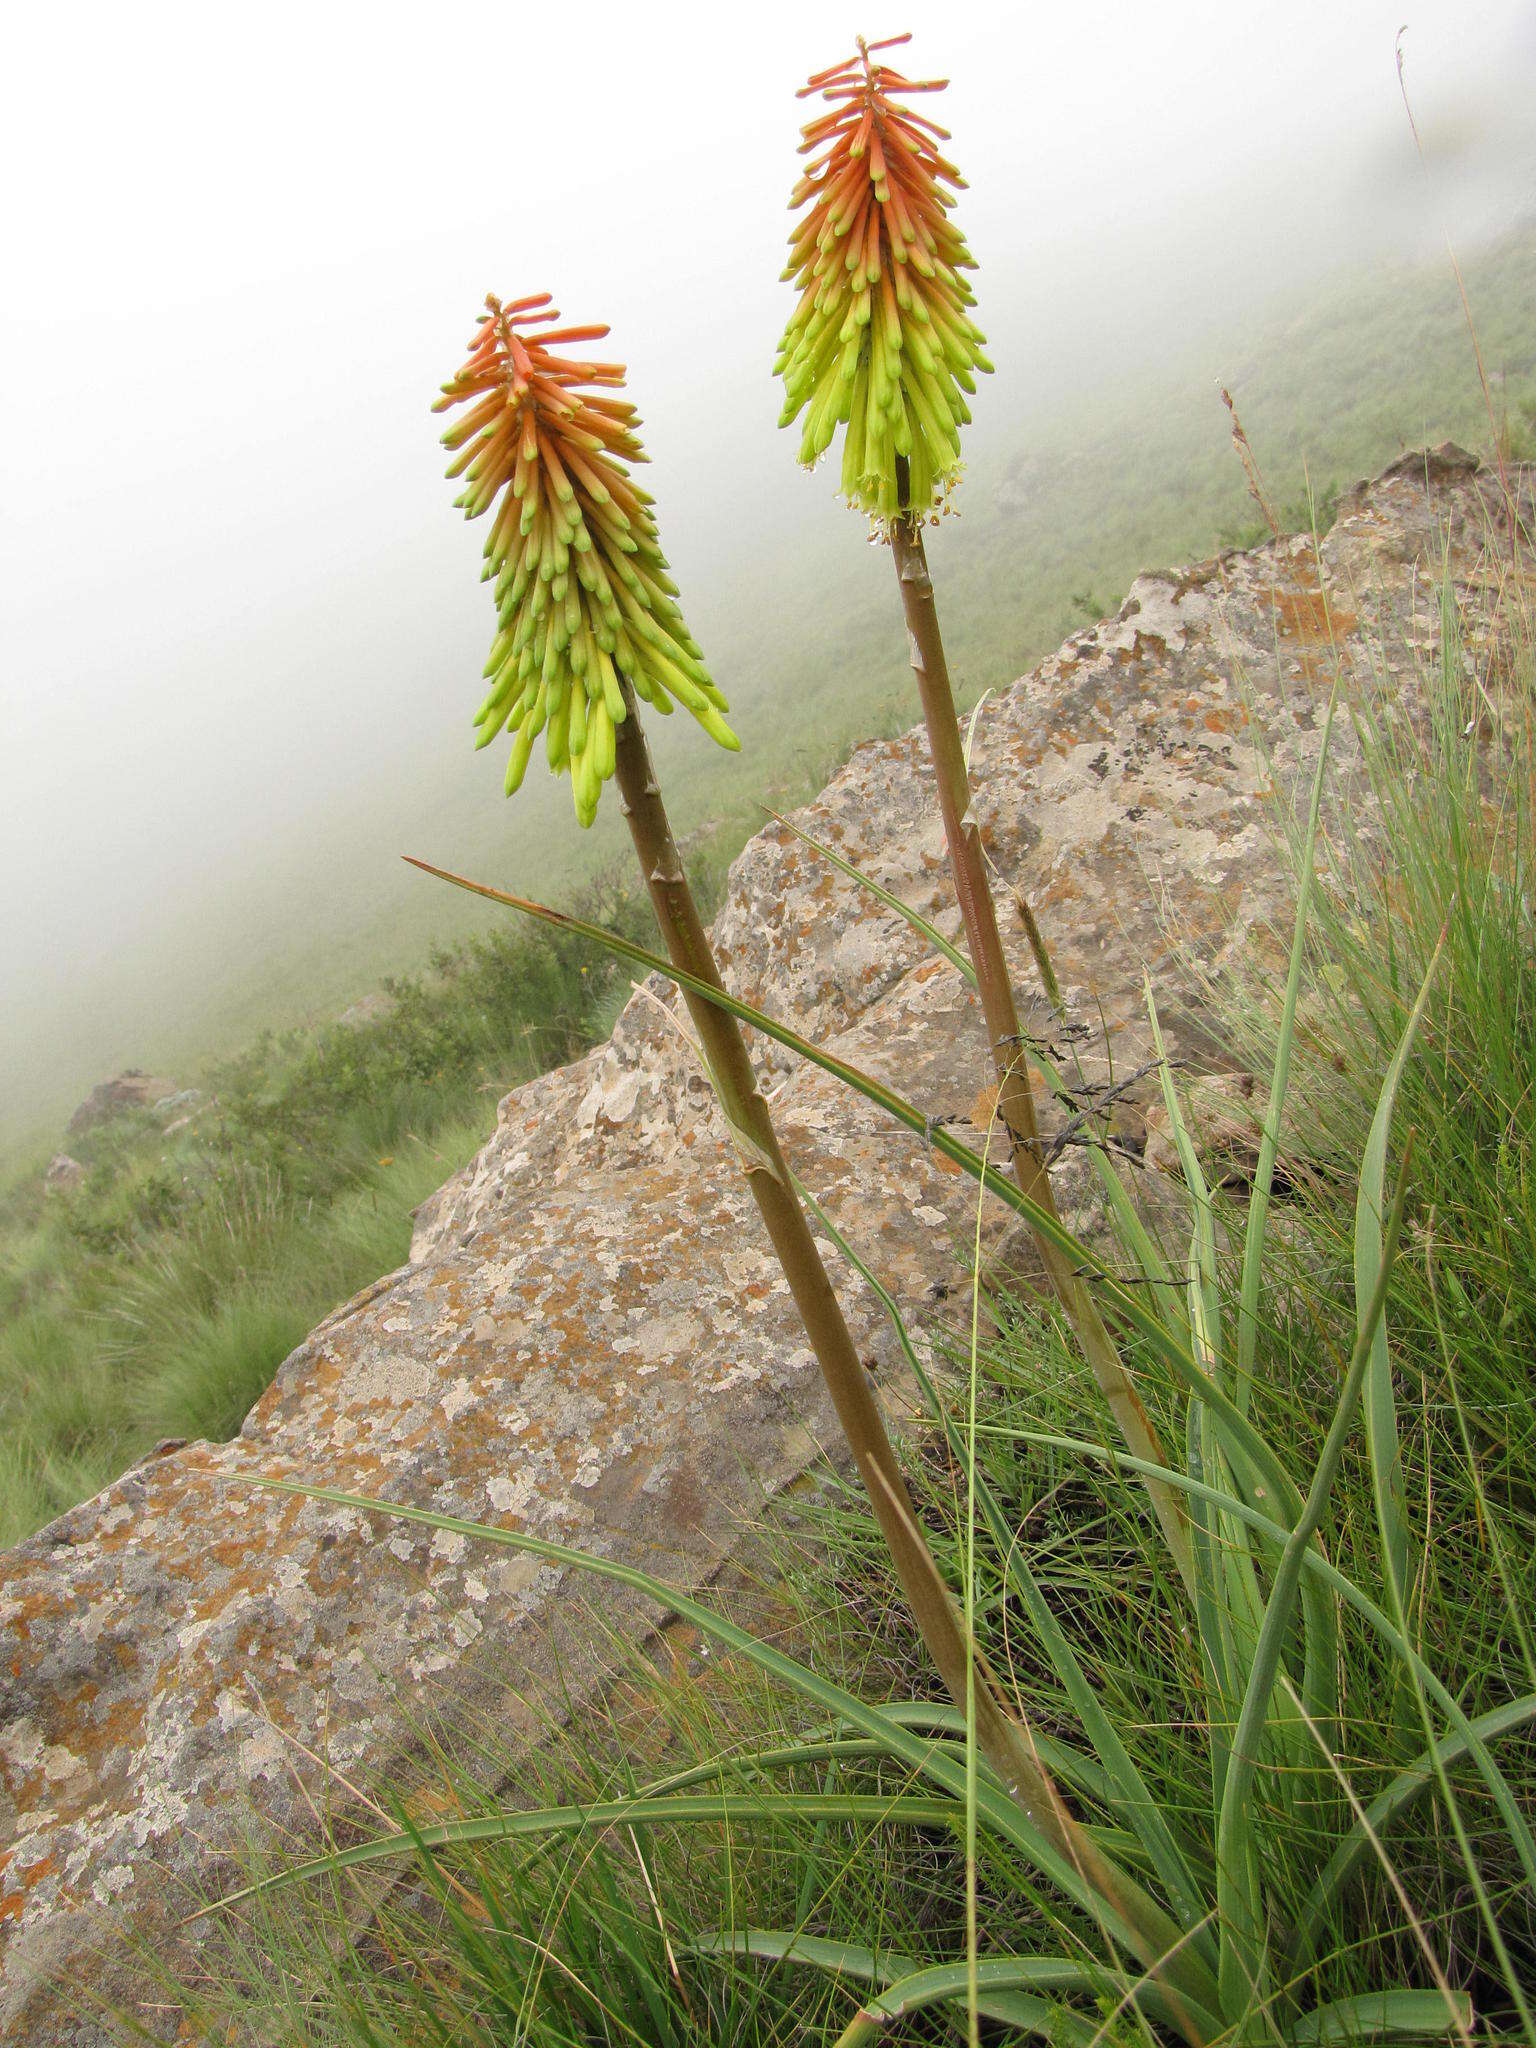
1307	617
982	1111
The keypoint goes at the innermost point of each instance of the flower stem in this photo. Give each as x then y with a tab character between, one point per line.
1002	1740
1015	1098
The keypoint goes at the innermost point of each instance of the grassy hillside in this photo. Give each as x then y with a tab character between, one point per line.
158	1298
1058	513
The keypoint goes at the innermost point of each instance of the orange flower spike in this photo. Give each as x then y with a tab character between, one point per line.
879	342
583	596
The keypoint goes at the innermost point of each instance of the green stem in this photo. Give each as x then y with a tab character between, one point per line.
1015	1099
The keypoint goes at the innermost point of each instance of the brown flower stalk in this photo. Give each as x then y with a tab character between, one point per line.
881	342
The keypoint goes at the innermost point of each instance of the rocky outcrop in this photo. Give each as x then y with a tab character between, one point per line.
131	1089
590	1339
63	1175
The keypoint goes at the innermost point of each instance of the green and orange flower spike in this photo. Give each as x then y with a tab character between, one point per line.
583	596
881	341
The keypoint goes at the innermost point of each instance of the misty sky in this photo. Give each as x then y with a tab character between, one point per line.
243	246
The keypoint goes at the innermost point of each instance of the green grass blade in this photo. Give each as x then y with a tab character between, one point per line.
1409	1786
1269	1140
1384	2016
1124	1791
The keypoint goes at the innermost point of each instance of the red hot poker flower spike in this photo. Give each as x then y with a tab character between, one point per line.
881	341
582	589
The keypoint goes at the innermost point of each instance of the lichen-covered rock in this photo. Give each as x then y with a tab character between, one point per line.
63	1175
591	1339
131	1089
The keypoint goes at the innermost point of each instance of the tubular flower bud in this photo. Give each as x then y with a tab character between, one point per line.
583	595
881	341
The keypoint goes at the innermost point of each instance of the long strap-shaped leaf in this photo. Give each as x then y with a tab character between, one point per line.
1228	1601
908	1987
822	1745
1384	2016
517	1824
1239	1890
1131	1919
1125	1790
1380	1405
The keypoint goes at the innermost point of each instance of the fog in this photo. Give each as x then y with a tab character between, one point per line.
243	247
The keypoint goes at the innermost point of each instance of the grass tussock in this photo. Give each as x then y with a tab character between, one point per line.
786	1835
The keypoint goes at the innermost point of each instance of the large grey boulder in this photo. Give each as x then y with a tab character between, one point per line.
591	1340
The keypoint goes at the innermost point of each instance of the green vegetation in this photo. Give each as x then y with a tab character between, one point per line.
1323	1765
158	1299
